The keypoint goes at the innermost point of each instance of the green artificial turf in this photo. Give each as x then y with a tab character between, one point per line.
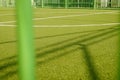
60	53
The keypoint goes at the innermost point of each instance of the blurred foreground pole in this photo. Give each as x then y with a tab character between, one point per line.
25	40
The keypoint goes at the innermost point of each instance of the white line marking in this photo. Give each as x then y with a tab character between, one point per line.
116	12
5	25
81	25
55	17
7	14
7	22
43	13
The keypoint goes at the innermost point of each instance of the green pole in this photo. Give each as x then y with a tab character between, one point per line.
118	3
0	3
42	3
78	3
7	3
26	56
95	4
66	4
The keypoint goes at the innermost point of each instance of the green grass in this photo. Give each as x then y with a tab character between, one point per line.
58	52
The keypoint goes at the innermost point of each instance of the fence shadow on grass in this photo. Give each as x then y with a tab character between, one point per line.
65	44
65	34
9	61
56	47
89	62
8	74
13	57
6	42
62	54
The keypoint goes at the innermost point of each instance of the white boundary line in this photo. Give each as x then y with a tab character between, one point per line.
116	12
54	17
44	13
68	16
81	25
7	22
7	14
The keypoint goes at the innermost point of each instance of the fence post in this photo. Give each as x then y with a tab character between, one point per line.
66	4
0	3
42	3
95	4
78	3
26	56
118	3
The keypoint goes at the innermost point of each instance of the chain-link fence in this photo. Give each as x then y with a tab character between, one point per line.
7	3
67	3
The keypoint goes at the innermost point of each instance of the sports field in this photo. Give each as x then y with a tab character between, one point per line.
70	44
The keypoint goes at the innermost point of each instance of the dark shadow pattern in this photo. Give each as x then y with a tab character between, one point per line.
9	74
81	36
43	37
52	48
89	62
74	39
66	44
6	42
66	34
58	56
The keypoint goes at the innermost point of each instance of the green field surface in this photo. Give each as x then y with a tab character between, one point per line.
70	44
